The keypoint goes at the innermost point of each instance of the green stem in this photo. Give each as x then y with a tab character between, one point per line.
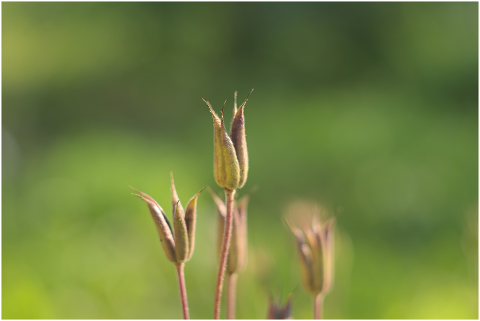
227	233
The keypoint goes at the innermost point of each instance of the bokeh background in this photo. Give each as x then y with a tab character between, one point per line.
370	109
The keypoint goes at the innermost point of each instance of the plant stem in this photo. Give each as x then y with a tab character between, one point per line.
318	306
183	290
227	233
232	291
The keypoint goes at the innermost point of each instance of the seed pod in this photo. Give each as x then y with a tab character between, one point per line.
163	226
226	167
181	235
237	133
190	221
315	248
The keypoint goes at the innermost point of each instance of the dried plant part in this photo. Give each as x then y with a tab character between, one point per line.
315	246
190	221
237	133
178	243
226	169
181	235
161	222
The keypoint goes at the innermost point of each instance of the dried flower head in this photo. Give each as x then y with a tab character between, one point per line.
230	152
315	245
237	255
178	244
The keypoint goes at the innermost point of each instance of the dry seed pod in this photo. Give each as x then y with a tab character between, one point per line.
237	133
162	224
225	163
230	164
315	248
178	244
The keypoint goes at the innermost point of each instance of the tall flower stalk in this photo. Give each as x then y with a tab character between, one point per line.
230	171
178	244
237	254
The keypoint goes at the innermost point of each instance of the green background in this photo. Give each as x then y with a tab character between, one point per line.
370	109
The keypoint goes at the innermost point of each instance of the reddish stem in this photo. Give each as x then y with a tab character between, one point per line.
318	306
183	290
227	233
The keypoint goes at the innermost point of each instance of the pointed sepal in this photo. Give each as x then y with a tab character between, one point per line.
161	222
237	134
190	222
181	235
226	168
175	199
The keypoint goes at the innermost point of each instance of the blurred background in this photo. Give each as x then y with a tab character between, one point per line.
370	109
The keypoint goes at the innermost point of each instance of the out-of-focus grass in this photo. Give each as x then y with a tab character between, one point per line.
370	109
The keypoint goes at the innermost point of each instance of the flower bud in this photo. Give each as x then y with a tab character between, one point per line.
225	164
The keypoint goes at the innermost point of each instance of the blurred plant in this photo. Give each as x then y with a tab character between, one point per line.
178	244
237	254
278	311
315	248
230	168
